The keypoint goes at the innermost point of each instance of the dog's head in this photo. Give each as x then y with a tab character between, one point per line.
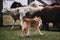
37	19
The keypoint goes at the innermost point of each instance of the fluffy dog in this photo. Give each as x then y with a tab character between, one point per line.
31	23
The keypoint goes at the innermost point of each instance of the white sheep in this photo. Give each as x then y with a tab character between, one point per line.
34	7
20	10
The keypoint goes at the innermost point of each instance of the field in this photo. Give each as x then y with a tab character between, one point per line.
8	34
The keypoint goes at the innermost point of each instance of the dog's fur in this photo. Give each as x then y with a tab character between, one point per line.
31	23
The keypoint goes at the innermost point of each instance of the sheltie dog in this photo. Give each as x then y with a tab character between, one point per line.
29	23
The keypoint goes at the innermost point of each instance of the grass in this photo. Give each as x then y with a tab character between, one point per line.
7	34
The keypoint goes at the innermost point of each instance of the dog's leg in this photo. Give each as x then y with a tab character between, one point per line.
13	25
24	29
39	31
28	33
28	29
22	33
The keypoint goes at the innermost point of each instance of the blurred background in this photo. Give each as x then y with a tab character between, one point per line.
7	19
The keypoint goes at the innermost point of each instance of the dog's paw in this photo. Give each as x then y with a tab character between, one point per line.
21	35
27	35
41	34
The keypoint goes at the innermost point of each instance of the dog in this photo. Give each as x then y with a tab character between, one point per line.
31	23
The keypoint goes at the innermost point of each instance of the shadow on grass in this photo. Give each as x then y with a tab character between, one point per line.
33	36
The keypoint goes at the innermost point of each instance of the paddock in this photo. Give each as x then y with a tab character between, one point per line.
51	25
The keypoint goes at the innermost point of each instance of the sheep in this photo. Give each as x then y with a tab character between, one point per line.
33	7
19	12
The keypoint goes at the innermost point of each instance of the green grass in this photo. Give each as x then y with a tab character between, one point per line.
7	34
